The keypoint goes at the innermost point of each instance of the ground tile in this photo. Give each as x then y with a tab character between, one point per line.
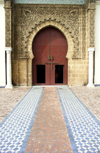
49	136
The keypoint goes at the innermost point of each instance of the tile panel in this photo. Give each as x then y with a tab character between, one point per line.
79	2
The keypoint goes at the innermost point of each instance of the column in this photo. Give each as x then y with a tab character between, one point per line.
90	71
9	73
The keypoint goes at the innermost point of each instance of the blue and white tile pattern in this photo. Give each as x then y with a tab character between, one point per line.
83	128
80	2
16	128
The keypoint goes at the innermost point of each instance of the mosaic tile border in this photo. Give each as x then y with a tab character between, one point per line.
78	2
84	132
21	120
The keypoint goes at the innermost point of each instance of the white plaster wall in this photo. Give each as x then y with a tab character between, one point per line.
97	43
2	44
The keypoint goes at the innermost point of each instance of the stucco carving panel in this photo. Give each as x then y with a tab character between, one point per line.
8	23
84	34
92	21
29	17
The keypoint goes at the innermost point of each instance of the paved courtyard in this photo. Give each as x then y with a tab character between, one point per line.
9	98
51	110
90	97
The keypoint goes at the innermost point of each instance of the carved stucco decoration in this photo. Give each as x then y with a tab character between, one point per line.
64	31
83	33
92	27
8	23
91	22
28	18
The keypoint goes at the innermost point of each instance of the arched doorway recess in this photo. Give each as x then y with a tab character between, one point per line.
49	65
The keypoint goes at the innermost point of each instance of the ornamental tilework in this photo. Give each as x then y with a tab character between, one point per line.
16	128
83	128
80	2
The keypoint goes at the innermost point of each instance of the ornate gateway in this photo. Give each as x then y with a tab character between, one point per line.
75	22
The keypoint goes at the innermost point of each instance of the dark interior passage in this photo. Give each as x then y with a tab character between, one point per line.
58	73
40	73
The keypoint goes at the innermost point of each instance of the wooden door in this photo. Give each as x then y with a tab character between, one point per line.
49	49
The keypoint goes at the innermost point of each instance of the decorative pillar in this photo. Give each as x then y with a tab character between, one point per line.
9	73
90	73
8	17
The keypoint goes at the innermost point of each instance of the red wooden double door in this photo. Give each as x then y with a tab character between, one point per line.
49	65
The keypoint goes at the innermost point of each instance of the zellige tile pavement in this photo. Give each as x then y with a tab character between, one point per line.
9	98
90	97
49	132
83	127
16	127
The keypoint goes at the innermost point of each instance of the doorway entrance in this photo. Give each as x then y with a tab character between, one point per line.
49	65
58	73
40	73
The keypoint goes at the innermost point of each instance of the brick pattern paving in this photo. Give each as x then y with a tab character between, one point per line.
49	133
90	97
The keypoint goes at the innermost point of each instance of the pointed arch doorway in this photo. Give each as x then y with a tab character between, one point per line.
49	66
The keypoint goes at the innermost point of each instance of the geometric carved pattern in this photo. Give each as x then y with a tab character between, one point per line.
27	18
83	34
92	21
8	23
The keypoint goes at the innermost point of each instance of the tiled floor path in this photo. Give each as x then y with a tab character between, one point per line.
90	97
9	98
49	133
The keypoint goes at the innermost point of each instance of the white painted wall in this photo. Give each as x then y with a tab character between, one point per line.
2	44
97	43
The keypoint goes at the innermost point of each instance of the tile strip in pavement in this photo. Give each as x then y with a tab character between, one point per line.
83	127
49	132
16	127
